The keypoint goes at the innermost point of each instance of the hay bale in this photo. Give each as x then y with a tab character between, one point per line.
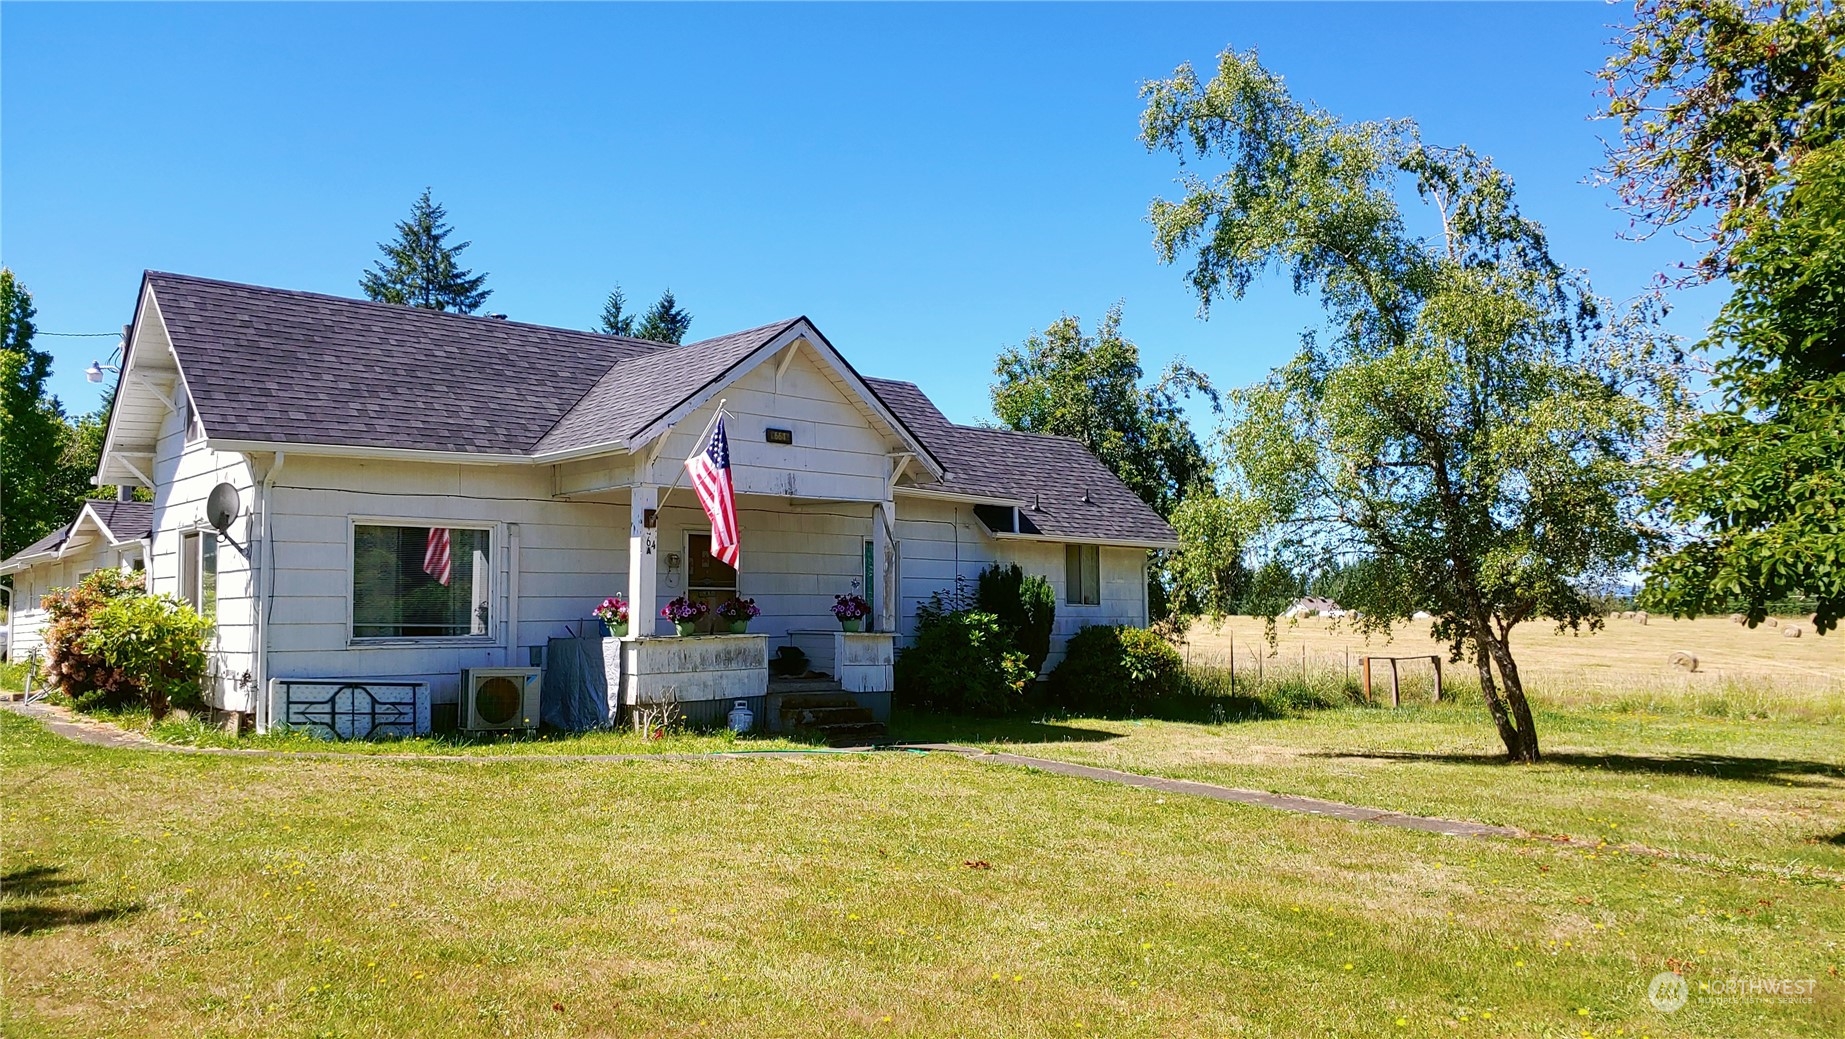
1772	622
1792	631
1683	661
1737	618
1640	616
1625	615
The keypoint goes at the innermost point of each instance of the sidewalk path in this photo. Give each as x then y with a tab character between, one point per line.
101	734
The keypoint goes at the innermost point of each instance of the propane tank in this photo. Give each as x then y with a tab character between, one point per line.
742	719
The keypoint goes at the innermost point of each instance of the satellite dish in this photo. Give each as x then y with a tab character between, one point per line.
222	507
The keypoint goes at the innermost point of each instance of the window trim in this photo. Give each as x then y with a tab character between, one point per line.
495	618
1071	589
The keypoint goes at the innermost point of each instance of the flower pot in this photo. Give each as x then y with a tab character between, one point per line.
685	627
739	627
851	623
616	631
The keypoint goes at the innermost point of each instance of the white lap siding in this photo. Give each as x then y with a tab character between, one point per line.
184	474
572	555
939	540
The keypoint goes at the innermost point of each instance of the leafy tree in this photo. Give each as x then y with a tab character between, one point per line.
1766	501
1467	419
1088	387
419	269
665	322
616	321
1716	99
38	492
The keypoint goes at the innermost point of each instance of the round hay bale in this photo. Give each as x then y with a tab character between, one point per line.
1640	616
1772	622
1683	661
1792	631
1737	618
1625	615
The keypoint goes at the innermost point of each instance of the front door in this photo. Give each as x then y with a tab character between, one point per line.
708	578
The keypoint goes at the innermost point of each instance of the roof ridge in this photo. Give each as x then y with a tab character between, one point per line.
420	313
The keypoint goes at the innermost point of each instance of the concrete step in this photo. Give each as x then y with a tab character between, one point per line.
795	686
854	734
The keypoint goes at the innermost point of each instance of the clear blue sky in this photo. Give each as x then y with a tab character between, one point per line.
928	183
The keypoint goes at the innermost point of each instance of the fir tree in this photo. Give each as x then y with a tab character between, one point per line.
419	268
665	321
41	479
615	321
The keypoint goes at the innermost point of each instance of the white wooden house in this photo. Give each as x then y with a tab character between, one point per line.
103	534
351	429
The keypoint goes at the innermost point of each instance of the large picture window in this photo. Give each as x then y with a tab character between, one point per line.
1082	574
419	582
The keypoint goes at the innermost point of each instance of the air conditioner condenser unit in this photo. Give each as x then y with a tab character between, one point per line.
499	699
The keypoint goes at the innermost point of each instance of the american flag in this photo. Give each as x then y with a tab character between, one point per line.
436	555
710	470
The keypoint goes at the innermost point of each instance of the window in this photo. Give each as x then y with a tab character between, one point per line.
1082	574
198	571
419	582
707	577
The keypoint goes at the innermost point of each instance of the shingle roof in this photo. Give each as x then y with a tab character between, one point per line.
637	391
126	520
280	366
1048	476
277	365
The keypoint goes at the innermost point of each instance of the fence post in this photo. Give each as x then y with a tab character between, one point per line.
1233	663
1437	661
1394	698
1364	671
1303	663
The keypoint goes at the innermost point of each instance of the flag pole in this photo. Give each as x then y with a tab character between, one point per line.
680	475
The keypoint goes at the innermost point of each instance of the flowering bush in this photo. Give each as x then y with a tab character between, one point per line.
110	644
734	609
612	610
684	611
850	607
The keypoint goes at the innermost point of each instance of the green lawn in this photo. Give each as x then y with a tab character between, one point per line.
890	894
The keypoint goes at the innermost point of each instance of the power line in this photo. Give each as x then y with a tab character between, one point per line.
78	334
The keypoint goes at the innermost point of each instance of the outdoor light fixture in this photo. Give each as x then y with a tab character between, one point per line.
95	371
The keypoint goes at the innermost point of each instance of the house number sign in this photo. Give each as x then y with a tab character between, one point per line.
778	436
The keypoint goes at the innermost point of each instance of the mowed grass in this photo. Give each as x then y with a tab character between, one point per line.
889	894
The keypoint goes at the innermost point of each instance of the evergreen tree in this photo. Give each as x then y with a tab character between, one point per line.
615	320
665	321
35	490
419	268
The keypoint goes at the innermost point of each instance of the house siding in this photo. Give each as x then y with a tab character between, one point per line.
184	475
939	541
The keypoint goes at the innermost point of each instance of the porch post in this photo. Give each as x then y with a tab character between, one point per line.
884	556
643	559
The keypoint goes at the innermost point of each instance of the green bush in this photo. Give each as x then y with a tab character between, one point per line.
79	673
1112	669
158	643
962	662
110	645
1026	606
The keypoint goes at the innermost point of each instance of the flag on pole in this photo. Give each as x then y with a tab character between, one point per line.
710	471
436	555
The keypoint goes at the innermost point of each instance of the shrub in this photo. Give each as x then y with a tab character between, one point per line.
157	643
1026	606
962	661
78	673
1110	669
111	645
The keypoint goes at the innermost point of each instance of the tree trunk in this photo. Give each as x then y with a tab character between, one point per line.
1512	715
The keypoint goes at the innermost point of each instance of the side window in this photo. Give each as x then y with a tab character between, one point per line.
1082	573
189	569
189	417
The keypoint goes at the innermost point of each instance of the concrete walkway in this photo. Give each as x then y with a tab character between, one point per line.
102	734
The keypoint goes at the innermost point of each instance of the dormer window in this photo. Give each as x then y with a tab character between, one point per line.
189	417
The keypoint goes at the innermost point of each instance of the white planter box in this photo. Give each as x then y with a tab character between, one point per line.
860	660
694	667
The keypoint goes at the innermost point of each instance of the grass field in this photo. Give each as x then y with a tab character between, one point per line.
1701	830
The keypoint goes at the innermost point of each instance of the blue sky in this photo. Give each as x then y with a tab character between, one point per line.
928	183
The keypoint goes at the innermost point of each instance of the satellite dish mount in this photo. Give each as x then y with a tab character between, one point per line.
221	509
